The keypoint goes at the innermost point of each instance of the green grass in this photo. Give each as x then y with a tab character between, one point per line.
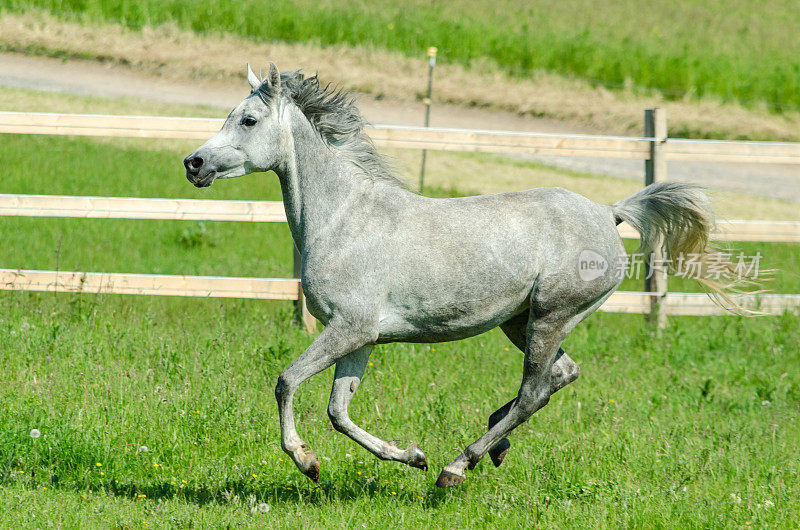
656	433
696	429
741	50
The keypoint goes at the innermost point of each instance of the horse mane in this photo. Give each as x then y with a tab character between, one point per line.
335	116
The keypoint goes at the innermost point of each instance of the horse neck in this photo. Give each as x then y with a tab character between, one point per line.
318	185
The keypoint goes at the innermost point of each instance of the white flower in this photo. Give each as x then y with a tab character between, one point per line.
768	504
143	449
736	499
35	433
263	507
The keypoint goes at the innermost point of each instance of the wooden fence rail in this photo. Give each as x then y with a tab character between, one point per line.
273	212
421	138
398	137
150	284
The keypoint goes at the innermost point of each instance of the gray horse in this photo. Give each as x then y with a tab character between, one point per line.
382	264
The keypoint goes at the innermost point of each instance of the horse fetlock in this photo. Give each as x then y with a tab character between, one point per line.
471	457
414	457
307	462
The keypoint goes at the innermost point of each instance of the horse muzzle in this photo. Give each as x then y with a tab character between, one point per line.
197	171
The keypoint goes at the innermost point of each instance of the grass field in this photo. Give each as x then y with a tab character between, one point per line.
741	50
697	429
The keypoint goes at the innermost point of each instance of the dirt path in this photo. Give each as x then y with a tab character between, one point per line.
95	79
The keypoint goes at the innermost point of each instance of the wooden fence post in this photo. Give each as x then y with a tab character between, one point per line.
304	318
431	63
655	170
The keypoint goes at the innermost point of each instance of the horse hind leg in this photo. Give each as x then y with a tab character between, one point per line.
543	340
564	372
349	371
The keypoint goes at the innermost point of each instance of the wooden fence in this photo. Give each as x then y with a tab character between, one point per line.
654	149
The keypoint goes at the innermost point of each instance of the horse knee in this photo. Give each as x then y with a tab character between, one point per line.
338	416
283	388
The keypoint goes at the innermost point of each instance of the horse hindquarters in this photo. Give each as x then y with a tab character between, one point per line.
557	305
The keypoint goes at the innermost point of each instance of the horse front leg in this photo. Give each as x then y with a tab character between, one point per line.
349	371
335	341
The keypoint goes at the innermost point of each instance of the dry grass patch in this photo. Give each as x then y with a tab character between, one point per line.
171	52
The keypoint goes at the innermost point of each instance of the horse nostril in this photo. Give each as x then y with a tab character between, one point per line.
196	162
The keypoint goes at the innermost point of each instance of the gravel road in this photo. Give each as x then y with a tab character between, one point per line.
96	79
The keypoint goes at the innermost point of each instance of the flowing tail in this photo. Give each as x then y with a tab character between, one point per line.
680	216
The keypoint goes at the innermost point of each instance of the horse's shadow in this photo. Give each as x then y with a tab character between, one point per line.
245	492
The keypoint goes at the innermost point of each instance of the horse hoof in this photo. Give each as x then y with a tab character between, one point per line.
312	467
498	452
447	479
417	458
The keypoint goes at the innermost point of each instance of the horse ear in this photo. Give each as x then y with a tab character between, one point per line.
252	79
274	76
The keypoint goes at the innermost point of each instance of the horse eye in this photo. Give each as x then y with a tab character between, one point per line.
248	122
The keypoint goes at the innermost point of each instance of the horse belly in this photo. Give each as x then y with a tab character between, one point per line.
427	318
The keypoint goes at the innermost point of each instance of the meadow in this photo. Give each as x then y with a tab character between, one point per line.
741	50
159	411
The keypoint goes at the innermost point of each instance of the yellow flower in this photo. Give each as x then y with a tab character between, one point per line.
84	496
359	472
21	472
142	496
390	26
197	412
173	482
44	487
99	464
394	493
183	481
255	476
155	465
371	364
611	400
102	474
